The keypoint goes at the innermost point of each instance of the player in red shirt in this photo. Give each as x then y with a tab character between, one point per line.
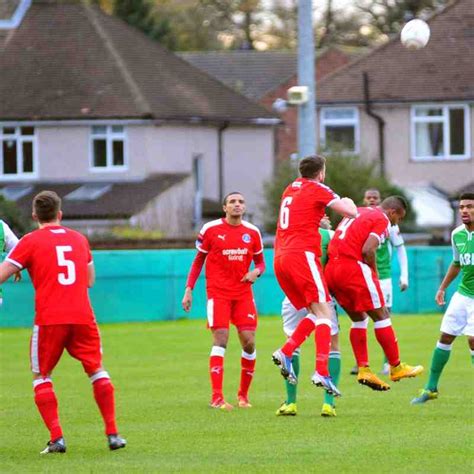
60	265
298	269
352	278
228	247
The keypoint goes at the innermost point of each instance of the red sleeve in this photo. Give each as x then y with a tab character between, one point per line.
20	255
259	262
203	241
258	245
380	228
326	195
195	269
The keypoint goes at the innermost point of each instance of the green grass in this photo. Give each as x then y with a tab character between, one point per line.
162	390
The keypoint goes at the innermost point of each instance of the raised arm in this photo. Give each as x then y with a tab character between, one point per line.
344	206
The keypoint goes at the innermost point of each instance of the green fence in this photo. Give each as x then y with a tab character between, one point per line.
147	285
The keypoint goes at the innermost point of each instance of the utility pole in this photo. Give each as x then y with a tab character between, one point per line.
306	77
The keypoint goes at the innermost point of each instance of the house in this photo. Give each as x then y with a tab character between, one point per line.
124	130
265	76
411	111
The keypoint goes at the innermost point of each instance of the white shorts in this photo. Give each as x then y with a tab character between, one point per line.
458	319
291	317
387	290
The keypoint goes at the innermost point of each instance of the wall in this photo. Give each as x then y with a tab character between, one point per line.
148	285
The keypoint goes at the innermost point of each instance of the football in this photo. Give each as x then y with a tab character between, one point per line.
415	34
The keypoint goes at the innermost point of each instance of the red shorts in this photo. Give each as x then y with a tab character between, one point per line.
301	278
82	341
242	313
354	284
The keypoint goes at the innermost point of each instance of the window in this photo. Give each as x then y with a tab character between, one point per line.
108	148
440	132
17	152
339	129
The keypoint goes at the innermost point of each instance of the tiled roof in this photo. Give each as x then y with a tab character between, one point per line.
72	61
443	70
115	203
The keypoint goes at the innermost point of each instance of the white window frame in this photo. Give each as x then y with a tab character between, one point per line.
109	136
444	119
20	139
344	122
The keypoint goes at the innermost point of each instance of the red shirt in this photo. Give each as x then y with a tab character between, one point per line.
56	259
230	250
351	234
303	205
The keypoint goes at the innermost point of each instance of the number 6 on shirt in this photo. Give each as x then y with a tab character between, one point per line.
70	277
285	212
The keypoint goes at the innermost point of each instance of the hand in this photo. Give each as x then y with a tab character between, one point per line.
251	276
17	277
187	301
439	298
403	284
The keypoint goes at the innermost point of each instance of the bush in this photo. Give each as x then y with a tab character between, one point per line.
346	175
10	213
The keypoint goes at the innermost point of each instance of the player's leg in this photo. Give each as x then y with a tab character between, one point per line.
247	366
85	346
387	290
387	339
47	345
470	341
218	320
329	408
291	317
453	324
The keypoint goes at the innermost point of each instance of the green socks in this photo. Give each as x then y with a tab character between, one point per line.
334	372
291	389
440	357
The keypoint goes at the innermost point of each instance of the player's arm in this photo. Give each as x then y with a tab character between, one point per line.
398	243
90	275
259	263
10	242
7	269
369	250
451	274
193	275
344	206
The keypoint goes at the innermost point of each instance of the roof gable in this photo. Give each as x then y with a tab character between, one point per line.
443	70
72	61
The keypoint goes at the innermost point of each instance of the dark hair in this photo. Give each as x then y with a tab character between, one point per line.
372	189
46	206
466	196
311	165
395	202
224	201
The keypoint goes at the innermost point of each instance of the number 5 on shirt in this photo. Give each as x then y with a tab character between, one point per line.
70	277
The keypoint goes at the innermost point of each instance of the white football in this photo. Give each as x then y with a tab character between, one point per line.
415	34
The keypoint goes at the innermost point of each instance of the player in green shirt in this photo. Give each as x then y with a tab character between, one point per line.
8	240
459	316
291	318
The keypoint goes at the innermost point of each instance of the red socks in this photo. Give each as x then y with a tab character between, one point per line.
386	338
303	330
246	374
104	397
47	404
358	337
322	339
216	371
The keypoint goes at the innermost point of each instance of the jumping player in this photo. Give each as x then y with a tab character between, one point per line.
228	247
291	317
298	269
60	265
352	278
458	319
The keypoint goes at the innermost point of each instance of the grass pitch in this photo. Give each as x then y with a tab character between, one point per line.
162	391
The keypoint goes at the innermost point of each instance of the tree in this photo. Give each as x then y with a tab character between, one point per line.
346	175
10	213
